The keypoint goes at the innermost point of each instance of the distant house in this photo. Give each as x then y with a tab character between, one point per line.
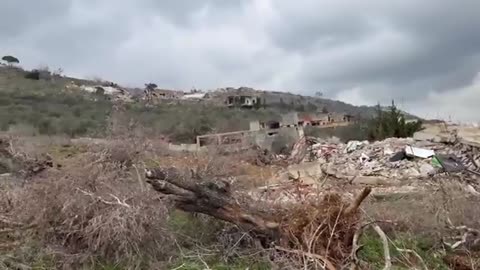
341	117
242	101
315	120
323	119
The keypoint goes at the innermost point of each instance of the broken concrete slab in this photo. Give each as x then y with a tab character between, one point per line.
418	152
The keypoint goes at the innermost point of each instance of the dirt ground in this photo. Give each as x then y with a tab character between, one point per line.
417	214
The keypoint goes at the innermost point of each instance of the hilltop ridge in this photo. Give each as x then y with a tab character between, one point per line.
44	102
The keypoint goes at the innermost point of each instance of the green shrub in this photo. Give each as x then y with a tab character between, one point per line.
391	123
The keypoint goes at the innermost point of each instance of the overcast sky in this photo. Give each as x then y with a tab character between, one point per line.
424	54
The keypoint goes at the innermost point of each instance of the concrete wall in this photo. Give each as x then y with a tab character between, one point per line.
184	147
265	139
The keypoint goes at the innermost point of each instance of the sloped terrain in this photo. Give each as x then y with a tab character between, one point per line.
51	106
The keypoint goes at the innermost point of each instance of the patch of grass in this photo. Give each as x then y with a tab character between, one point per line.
372	251
61	152
46	107
54	112
193	227
216	263
32	254
183	122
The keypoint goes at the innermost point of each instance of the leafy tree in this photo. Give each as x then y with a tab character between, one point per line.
319	94
391	123
325	110
150	86
10	59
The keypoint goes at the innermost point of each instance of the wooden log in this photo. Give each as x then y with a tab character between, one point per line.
210	198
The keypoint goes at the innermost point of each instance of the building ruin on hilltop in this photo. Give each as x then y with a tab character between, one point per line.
242	101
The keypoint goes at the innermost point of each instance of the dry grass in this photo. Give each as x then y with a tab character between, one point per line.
233	166
94	207
319	233
425	223
427	212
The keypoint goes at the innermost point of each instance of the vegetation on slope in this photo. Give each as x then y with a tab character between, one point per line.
386	123
35	105
391	123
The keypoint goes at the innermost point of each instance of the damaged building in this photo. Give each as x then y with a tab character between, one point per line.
161	94
326	119
262	134
266	134
242	101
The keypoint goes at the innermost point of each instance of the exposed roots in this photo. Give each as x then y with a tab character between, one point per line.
322	228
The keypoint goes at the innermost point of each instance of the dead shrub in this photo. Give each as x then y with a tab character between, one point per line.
25	156
317	228
123	155
95	209
315	233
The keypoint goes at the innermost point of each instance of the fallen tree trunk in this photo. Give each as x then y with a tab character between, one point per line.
325	227
210	198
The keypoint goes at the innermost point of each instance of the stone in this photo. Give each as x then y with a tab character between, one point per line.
352	146
427	170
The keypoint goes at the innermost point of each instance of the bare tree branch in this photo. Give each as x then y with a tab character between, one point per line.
386	248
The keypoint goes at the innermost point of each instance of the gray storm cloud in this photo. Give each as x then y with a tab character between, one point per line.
426	54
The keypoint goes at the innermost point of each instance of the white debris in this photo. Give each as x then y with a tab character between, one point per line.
194	96
418	152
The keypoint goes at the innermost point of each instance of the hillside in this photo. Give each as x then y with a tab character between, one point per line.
51	106
289	101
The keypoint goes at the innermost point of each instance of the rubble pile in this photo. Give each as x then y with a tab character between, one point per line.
393	158
394	165
108	89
